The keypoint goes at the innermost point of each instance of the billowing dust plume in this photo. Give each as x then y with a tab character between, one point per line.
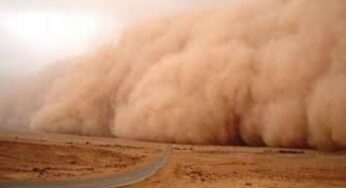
269	72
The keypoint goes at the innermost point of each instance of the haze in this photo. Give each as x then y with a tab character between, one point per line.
35	33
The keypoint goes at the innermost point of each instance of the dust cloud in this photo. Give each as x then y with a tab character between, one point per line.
269	72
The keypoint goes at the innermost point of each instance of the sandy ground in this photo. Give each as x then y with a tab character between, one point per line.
25	156
250	167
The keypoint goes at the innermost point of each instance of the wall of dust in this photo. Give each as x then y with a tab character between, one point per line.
257	73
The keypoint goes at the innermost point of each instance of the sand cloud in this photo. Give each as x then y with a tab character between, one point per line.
269	72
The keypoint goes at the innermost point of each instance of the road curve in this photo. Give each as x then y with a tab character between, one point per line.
111	181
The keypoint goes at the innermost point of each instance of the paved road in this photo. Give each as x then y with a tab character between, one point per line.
118	180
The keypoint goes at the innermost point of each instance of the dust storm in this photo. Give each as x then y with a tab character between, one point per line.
255	73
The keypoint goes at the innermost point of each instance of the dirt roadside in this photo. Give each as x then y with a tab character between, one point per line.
35	156
53	157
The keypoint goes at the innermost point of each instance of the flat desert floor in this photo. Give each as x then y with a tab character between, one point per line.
28	156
